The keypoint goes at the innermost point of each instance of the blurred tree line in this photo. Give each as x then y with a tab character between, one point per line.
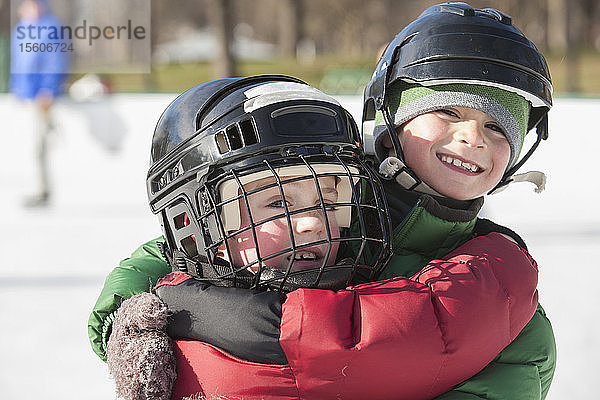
359	27
306	30
354	28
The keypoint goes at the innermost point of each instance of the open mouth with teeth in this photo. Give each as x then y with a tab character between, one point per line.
306	258
460	164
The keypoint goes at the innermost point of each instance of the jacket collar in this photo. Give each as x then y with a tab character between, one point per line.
424	223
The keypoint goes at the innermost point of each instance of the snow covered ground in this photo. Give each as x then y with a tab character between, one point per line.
53	261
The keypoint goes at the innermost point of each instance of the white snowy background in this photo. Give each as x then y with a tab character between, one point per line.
53	261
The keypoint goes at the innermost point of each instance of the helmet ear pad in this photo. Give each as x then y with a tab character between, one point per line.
183	234
183	227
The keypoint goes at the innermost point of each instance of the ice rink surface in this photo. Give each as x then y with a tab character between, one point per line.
54	260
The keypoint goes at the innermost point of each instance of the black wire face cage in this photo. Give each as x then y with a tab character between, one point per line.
228	241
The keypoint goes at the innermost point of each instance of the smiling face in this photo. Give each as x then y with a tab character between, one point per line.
274	235
460	152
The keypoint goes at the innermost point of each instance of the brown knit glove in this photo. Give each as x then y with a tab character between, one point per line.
139	352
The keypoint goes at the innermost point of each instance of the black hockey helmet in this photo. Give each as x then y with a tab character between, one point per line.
455	43
216	138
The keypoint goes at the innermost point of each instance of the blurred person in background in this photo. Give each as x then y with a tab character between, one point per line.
39	68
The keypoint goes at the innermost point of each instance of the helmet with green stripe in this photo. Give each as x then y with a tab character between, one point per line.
455	55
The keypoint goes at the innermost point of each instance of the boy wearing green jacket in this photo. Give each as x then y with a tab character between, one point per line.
445	116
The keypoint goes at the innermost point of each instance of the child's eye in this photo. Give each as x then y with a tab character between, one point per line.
448	112
278	204
495	127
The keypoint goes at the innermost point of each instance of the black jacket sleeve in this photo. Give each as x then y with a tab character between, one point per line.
242	322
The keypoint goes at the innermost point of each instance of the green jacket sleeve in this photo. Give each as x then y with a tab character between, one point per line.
522	371
136	274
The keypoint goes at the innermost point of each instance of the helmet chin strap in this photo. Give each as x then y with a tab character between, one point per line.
536	177
395	167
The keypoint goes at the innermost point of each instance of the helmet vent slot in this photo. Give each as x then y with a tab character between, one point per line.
222	142
248	132
189	245
236	136
181	221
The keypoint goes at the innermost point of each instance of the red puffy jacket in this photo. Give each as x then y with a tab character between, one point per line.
395	339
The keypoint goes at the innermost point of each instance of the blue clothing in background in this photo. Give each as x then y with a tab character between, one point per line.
36	71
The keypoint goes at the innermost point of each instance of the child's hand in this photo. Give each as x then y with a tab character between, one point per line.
139	352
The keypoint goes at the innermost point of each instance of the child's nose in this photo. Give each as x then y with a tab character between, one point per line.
309	222
470	134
